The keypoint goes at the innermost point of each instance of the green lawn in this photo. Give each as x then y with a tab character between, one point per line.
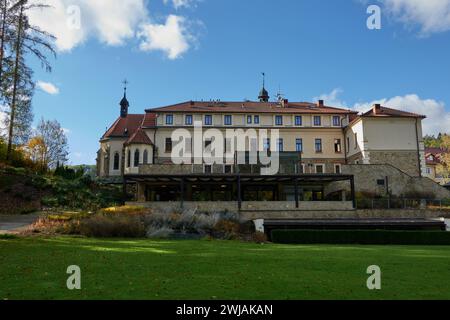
35	268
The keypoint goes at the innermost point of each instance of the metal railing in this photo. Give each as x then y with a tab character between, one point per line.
403	203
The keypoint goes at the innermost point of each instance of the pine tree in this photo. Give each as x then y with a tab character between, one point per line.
27	39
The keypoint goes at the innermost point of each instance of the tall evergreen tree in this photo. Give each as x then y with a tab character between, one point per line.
27	39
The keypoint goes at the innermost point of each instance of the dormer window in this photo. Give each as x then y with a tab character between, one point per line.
169	119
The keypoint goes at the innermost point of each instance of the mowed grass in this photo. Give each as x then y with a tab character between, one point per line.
35	268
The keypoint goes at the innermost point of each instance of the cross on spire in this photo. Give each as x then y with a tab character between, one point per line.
125	83
124	104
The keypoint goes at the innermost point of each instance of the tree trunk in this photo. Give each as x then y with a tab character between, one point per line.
16	82
3	37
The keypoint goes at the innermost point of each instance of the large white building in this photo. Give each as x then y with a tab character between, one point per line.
319	147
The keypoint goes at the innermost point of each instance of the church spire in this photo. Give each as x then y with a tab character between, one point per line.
264	94
124	104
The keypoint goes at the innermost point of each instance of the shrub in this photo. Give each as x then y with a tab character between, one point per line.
381	237
259	237
105	226
226	229
125	210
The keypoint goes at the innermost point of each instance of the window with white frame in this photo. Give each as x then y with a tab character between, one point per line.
169	119
298	121
299	145
228	120
318	145
280	145
256	119
317	121
208	120
278	120
320	168
337	168
336	121
189	120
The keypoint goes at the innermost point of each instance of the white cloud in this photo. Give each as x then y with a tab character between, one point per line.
172	37
438	118
180	3
332	98
47	87
66	131
431	16
112	23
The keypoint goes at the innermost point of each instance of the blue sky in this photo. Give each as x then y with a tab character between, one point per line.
177	50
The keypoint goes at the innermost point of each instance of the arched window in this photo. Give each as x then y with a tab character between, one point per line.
146	157
129	159
136	158
116	161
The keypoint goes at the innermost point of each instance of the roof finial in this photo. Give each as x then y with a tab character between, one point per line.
264	95
124	104
125	83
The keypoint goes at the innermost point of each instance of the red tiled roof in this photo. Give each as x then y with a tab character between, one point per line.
139	137
149	120
250	107
436	153
388	112
124	127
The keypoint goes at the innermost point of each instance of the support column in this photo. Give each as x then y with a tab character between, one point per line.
182	192
124	189
141	197
352	186
296	193
239	192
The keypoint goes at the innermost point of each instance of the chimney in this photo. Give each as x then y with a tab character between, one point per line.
284	103
376	108
320	103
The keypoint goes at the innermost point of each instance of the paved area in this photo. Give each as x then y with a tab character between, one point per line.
16	223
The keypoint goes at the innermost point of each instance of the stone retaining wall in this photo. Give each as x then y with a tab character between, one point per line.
254	211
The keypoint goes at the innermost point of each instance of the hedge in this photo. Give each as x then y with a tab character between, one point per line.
382	237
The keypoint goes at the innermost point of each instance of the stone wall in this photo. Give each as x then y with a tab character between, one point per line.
406	161
253	211
400	184
303	205
345	214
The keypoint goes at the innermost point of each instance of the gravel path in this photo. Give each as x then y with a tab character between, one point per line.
15	223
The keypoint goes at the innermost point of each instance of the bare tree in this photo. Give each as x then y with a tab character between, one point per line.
54	140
